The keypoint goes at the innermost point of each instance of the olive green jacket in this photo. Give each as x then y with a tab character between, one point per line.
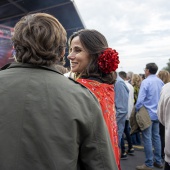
48	122
140	120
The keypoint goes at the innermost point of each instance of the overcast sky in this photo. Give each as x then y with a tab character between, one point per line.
138	29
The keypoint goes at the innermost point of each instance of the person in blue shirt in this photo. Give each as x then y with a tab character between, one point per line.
149	95
121	104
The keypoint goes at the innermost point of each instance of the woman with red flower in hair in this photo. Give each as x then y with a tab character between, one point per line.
93	64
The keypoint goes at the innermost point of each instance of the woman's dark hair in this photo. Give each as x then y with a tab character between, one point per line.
95	43
39	39
152	67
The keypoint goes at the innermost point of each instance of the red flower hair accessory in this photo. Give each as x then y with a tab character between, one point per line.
108	60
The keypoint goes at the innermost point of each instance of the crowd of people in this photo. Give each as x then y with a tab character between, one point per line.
52	117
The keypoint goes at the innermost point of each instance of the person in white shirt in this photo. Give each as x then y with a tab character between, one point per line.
163	113
130	150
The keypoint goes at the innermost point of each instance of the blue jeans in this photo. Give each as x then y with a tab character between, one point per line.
151	137
120	118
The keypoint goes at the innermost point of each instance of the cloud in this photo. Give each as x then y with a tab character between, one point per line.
138	30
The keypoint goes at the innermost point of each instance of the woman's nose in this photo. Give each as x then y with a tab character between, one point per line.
70	56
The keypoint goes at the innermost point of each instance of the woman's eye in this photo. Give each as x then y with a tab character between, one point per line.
77	50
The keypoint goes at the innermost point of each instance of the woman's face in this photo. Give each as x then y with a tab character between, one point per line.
78	56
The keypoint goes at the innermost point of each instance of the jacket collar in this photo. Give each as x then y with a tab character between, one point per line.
25	65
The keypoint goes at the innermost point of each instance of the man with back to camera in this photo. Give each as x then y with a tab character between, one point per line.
48	122
121	104
148	97
130	150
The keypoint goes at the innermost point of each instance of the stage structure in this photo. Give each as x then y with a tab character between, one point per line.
6	48
64	10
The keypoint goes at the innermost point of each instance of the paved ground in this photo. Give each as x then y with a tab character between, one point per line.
132	161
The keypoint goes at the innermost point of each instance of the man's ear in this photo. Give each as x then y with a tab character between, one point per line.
63	52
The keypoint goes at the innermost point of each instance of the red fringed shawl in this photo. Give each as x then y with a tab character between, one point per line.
105	95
